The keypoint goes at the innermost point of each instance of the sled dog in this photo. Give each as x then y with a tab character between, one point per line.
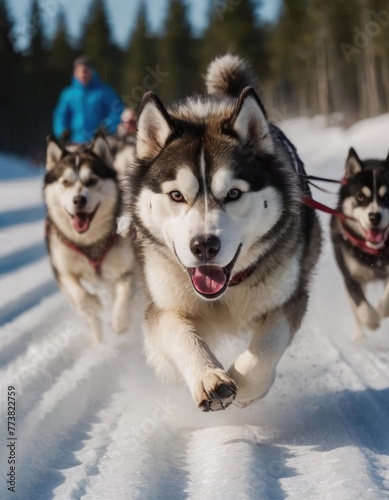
224	242
361	241
123	150
82	198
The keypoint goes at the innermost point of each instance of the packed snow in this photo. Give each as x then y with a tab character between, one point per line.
93	422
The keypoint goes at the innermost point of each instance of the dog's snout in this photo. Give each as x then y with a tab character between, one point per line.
375	218
205	247
79	201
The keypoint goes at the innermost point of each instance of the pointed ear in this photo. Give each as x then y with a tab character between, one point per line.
154	127
250	121
101	149
54	152
353	164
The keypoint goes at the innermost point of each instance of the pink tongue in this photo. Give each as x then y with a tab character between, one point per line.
375	236
81	223
209	279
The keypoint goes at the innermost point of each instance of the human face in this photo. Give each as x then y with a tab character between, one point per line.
83	74
130	123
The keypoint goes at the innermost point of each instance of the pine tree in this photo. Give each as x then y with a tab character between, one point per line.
139	63
7	52
9	60
61	54
36	57
34	85
97	41
380	42
176	50
59	65
292	56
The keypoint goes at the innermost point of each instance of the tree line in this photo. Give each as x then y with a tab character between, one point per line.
317	56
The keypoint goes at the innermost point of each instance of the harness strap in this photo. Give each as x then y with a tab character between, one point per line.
307	199
239	277
95	263
323	179
324	208
360	242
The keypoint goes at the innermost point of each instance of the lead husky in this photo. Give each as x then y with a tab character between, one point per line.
83	199
361	242
224	241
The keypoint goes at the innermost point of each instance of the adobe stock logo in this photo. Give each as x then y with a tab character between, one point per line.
363	37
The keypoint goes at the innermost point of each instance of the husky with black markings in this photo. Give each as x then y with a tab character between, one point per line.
361	240
82	198
224	242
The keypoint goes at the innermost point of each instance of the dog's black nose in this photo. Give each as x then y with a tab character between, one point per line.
79	201
205	247
375	218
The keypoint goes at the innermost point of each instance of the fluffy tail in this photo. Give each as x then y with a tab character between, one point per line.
228	75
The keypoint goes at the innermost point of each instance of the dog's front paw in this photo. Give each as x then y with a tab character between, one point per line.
250	391
383	308
216	391
368	316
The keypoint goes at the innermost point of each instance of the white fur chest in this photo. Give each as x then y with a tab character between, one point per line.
248	301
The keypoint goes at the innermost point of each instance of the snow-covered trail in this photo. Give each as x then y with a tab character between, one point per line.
93	423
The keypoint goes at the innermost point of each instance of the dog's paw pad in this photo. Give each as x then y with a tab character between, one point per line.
218	395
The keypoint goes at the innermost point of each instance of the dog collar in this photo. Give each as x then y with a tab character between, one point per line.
97	262
360	242
242	275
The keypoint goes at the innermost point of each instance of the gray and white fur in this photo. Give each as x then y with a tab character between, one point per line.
361	243
224	242
82	198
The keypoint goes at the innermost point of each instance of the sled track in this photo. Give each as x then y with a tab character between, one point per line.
93	423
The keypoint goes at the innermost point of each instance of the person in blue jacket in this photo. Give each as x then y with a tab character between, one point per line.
86	105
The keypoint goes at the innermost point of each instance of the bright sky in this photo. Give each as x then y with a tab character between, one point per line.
122	15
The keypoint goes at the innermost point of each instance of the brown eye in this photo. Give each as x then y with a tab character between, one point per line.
360	197
66	183
234	194
176	196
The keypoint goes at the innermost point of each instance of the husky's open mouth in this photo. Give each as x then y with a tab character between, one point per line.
376	237
211	281
81	221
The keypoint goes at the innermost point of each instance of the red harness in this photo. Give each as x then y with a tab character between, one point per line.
239	277
95	263
347	234
324	208
360	242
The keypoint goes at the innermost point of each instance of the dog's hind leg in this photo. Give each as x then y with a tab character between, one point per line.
174	348
360	333
365	313
254	370
383	307
121	311
86	304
